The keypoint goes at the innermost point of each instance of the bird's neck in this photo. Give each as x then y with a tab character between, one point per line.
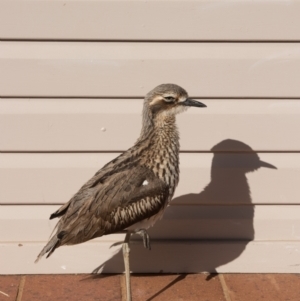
161	130
161	124
160	140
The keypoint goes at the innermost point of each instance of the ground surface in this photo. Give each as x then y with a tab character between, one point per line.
175	287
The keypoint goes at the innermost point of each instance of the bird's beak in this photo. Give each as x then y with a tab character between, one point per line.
193	103
267	165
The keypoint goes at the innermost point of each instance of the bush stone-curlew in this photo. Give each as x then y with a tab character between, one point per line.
132	191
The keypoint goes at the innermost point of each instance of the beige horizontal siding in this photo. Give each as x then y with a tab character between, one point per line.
164	257
47	178
150	20
259	223
132	69
115	124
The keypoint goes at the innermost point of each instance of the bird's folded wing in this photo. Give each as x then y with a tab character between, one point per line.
119	165
124	199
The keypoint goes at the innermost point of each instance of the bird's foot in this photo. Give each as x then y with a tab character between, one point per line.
146	238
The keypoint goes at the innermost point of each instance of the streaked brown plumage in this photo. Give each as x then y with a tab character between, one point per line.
132	191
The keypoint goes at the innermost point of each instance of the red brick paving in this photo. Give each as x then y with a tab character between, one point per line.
9	286
72	288
182	287
262	287
175	287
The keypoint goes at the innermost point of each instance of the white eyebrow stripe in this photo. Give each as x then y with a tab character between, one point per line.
156	99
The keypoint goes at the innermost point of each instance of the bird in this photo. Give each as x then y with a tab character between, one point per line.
131	192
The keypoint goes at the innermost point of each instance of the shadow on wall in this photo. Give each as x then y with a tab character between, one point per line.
224	229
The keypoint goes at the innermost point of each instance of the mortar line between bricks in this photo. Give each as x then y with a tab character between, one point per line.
123	287
224	287
6	295
20	288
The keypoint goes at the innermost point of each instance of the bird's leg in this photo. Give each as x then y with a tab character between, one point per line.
126	251
146	238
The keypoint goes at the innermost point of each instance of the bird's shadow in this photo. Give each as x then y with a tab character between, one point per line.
229	219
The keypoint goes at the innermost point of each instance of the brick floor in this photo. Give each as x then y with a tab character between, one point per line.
262	287
175	287
72	288
180	287
9	287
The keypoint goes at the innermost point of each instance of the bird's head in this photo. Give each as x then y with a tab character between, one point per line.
169	100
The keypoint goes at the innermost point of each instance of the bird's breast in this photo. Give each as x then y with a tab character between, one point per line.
161	155
166	167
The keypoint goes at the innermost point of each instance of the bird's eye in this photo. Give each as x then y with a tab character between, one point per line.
169	99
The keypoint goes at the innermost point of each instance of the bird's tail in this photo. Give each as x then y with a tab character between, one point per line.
52	244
